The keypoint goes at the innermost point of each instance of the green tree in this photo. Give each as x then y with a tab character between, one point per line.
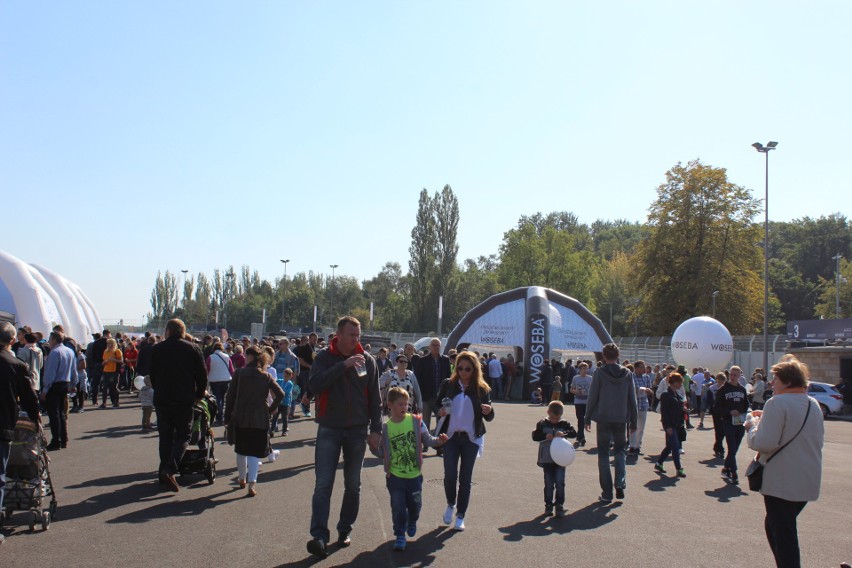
164	298
540	254
828	293
701	239
421	262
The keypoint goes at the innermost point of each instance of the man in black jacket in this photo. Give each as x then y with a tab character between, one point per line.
95	366
431	370
15	388
179	378
346	383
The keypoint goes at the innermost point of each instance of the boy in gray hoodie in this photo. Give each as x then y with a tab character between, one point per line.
612	404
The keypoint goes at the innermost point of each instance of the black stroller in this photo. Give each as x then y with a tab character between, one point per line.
199	457
28	483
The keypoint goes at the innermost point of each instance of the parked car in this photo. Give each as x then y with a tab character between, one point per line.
829	398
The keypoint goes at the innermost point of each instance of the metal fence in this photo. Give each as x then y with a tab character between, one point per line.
748	349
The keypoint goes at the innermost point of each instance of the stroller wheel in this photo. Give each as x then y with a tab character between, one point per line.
52	509
33	521
45	520
210	471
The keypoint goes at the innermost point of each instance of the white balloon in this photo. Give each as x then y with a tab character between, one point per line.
139	382
702	342
562	452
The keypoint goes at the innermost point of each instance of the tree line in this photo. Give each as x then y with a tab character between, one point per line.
700	252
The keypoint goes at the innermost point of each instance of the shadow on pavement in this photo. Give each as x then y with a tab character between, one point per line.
118	432
725	493
177	508
589	517
136	493
662	483
115	480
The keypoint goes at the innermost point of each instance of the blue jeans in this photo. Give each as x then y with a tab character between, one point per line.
554	481
673	447
615	432
219	390
733	437
405	497
4	459
330	442
459	447
497	385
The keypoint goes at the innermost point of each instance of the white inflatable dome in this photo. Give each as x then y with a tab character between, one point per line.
41	299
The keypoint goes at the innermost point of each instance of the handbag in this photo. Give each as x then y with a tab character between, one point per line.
754	473
681	433
231	428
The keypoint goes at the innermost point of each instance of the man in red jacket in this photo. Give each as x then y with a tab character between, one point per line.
345	381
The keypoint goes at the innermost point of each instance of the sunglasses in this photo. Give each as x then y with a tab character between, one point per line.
465	369
402	362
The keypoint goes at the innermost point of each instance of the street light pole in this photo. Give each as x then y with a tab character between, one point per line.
765	151
284	292
331	313
715	293
837	257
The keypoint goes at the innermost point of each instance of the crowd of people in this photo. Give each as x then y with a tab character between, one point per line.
257	382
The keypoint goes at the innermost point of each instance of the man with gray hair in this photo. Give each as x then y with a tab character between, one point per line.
430	370
15	390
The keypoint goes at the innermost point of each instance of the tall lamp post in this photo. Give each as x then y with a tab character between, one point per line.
331	313
715	293
284	292
765	151
837	258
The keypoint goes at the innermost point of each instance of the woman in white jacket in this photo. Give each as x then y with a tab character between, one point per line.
792	478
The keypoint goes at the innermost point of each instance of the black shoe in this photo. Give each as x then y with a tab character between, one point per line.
63	445
52	447
548	511
317	548
619	493
343	539
171	482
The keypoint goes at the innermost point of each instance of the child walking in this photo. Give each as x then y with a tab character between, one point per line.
554	474
146	400
403	438
283	410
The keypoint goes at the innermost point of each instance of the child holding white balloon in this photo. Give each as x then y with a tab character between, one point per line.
554	474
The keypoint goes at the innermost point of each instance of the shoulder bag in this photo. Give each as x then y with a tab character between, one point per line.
754	473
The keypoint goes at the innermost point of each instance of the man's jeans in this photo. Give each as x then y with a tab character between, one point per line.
428	411
554	480
219	390
4	459
174	424
56	403
636	437
497	385
733	436
330	442
615	432
406	500
673	447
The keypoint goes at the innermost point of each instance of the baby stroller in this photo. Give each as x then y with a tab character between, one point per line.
28	483
199	457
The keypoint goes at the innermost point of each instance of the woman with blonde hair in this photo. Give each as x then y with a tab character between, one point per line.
788	436
109	382
465	404
247	412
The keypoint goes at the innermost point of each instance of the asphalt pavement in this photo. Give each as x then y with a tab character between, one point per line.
112	511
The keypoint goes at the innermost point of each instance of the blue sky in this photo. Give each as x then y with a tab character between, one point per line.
146	136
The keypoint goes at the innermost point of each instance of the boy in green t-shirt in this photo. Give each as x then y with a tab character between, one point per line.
403	438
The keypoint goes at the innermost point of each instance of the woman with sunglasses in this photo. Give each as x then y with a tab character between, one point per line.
465	403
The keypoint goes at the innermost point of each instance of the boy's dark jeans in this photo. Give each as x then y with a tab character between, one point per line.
554	481
406	500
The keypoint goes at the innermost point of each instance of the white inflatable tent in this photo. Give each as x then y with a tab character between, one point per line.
40	298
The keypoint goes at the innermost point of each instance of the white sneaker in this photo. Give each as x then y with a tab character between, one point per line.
459	526
448	514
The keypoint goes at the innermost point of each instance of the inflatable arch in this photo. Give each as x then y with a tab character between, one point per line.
41	299
535	318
